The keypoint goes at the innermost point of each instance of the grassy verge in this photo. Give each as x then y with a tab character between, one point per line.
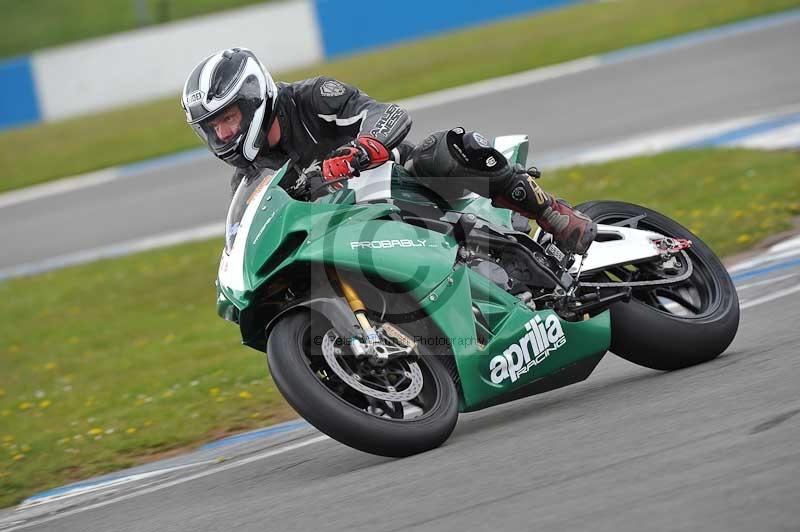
105	365
32	25
45	152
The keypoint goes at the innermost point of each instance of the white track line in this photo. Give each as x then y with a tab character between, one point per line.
114	482
115	250
766	281
504	83
786	245
177	481
62	186
769	297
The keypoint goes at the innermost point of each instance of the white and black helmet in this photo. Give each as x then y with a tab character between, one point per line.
231	77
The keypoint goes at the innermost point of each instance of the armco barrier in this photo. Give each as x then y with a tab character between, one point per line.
152	62
356	25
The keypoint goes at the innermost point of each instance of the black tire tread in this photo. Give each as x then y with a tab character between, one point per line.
644	336
344	423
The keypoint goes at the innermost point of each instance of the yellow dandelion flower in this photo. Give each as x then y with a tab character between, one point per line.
95	431
8	437
130	430
18	457
50	366
255	415
245	395
148	423
25	406
46	403
25	448
738	214
744	238
214	391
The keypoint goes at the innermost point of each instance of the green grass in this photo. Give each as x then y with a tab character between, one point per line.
29	25
105	365
45	152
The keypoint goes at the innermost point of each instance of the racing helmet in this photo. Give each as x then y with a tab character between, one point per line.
233	77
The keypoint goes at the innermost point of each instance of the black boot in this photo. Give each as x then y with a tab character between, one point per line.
571	229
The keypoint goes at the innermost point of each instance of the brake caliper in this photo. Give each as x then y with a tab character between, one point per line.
672	245
669	248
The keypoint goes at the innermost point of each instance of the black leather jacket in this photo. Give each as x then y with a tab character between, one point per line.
317	116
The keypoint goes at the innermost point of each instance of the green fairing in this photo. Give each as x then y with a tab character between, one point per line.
496	357
586	340
332	234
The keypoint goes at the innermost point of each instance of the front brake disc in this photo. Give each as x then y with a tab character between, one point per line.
406	394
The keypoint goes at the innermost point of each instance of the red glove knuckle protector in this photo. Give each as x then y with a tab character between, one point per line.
347	161
377	152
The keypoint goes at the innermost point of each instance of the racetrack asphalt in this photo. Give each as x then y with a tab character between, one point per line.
712	448
722	78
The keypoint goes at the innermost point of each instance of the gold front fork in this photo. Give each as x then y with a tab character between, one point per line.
356	305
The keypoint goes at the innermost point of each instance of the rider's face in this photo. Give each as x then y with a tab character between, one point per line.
227	125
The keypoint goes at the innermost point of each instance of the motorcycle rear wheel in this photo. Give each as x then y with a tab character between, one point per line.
672	327
306	381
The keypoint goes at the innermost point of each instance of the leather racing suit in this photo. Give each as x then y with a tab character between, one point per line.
319	115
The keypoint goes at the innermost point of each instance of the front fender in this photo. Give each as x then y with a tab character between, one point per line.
335	309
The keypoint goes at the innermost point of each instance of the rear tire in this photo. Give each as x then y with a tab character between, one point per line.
654	337
290	353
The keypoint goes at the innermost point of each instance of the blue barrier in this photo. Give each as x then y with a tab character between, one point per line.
18	103
356	25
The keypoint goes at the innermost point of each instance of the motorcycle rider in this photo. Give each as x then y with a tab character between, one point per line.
252	123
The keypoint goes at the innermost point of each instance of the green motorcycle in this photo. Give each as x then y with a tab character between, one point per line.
385	311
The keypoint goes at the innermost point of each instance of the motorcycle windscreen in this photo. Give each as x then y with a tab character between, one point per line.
247	191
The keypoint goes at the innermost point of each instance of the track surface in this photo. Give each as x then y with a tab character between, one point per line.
726	78
713	447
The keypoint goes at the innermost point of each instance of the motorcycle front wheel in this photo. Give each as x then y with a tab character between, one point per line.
405	407
674	326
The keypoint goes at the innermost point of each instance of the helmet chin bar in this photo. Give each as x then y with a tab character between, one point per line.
250	150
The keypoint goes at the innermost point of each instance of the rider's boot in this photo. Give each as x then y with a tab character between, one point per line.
570	228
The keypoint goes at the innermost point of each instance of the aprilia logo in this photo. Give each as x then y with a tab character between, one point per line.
385	244
529	351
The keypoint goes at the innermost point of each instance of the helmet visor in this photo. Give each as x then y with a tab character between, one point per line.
223	130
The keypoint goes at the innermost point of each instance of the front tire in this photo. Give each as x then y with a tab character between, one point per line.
296	364
647	330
